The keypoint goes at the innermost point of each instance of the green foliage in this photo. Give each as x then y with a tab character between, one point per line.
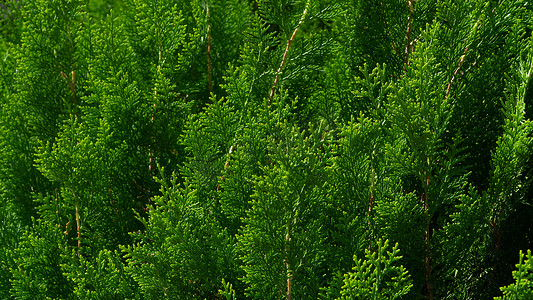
489	215
228	292
10	233
298	133
184	252
378	276
356	187
37	272
523	288
282	239
100	278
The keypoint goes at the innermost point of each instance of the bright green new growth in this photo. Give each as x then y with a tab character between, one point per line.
378	276
228	292
523	286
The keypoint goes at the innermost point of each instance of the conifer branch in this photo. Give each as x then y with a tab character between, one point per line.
459	65
427	263
427	237
384	15
78	229
225	166
408	33
286	261
152	119
73	79
209	64
289	43
78	226
160	61
371	204
71	83
461	61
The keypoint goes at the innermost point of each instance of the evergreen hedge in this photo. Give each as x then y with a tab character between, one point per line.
266	149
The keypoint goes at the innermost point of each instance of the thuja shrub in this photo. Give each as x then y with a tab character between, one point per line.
260	149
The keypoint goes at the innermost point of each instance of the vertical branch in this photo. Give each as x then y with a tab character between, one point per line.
461	60
371	204
497	232
427	236
78	222
225	165
209	65
408	33
72	85
150	152
427	285
160	61
289	43
497	239
372	188
72	82
287	265
459	65
78	229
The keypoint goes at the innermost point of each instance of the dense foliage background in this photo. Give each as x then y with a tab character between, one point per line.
267	149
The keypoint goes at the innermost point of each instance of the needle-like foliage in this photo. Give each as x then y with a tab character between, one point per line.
299	135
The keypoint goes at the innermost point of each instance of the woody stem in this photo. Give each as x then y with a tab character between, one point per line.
289	43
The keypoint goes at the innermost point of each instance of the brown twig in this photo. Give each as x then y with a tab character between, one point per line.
460	64
408	33
289	43
225	166
287	266
78	226
71	83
